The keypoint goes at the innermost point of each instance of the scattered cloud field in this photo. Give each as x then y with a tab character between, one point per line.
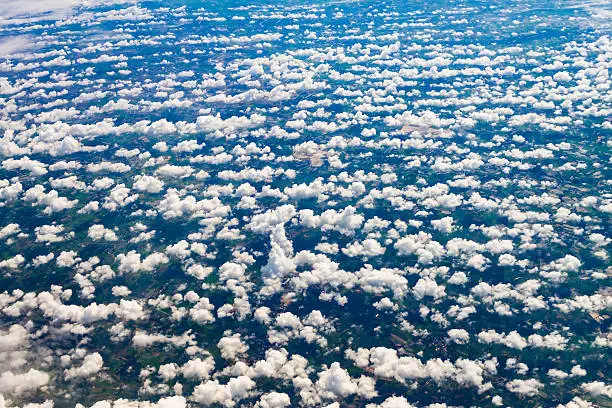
305	204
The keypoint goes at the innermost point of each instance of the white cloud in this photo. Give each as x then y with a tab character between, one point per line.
92	363
17	384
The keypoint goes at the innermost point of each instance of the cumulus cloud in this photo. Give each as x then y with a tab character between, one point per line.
20	383
92	363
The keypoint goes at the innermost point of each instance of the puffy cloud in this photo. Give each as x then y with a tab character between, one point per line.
10	191
49	233
143	339
14	338
335	383
131	262
211	392
512	339
18	384
187	146
444	225
51	200
99	232
345	221
173	206
386	363
528	387
167	372
119	197
280	262
597	388
108	167
198	368
121	291
169	170
367	248
148	184
553	341
35	167
459	336
420	245
166	402
130	310
217	127
92	363
428	287
392	402
232	346
379	281
262	223
274	400
12	263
